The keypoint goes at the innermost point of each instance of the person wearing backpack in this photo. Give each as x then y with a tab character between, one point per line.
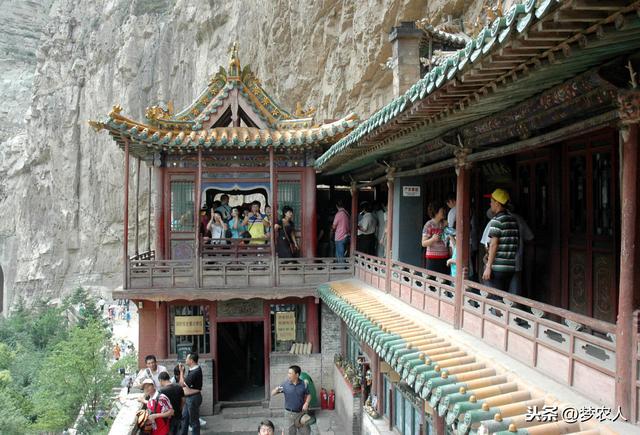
159	410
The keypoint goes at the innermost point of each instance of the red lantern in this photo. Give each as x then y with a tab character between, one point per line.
332	400
324	399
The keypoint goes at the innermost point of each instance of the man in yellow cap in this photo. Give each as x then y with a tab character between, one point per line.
504	238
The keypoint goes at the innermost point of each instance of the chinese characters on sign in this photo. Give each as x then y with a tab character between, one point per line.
189	325
570	414
410	190
286	326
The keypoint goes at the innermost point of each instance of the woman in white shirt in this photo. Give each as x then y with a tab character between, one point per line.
217	227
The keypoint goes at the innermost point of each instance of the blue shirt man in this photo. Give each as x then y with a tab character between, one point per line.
296	400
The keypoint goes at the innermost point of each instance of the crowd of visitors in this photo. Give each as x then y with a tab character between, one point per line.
503	238
172	404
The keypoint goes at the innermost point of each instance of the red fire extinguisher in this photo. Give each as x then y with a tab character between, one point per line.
324	399
332	400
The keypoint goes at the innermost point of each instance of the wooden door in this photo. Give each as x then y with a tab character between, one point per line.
534	191
590	223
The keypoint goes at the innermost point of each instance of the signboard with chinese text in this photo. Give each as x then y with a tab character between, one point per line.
286	326
189	325
410	190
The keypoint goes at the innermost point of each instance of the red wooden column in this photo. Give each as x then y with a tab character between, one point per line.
309	224
125	223
198	188
274	213
313	324
266	309
354	218
137	225
389	229
162	326
149	210
158	211
463	209
625	373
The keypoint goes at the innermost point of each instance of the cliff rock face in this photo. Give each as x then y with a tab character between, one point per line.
66	61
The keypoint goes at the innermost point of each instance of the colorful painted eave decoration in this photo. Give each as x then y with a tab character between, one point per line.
510	30
144	136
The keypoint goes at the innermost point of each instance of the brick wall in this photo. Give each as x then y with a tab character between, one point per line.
207	382
329	343
348	406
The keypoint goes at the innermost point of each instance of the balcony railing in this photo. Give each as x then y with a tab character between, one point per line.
571	348
228	271
234	247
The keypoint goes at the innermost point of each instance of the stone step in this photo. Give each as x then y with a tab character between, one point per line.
254	412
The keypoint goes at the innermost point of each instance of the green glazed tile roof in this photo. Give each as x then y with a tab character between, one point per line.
466	391
510	60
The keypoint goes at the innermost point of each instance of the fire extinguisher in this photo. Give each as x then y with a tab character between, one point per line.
332	400
324	399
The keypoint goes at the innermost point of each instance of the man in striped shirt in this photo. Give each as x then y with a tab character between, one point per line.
504	238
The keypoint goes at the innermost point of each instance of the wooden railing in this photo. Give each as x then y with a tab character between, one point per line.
305	271
235	247
146	255
574	349
428	291
222	272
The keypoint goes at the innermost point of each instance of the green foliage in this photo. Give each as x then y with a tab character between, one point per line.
128	362
54	361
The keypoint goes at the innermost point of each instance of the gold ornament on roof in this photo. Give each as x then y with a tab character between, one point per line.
155	113
301	113
96	125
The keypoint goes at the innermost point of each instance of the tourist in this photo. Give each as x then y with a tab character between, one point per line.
224	209
450	201
192	385
116	352
525	235
127	317
235	224
381	231
341	229
152	371
100	304
218	228
437	252
296	400
451	262
266	427
159	406
175	393
256	223
286	243
267	211
202	225
367	226
503	245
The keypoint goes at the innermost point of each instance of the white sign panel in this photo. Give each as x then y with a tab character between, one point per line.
410	190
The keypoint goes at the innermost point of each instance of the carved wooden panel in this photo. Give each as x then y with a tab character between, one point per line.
182	249
577	282
603	293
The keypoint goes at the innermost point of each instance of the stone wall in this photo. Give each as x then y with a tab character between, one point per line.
348	405
330	344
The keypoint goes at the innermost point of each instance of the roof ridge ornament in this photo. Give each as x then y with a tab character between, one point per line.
234	62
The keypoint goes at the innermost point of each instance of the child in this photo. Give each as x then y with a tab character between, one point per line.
451	262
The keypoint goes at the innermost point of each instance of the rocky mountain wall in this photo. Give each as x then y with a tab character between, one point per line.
63	62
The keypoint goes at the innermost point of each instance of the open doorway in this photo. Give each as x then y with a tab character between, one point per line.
241	361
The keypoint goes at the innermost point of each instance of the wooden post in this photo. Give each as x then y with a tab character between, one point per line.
197	215
274	213
625	372
354	218
389	229
125	242
137	227
308	214
162	328
149	211
159	212
463	208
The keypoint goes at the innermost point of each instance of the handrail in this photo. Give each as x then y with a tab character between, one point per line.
579	319
146	255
